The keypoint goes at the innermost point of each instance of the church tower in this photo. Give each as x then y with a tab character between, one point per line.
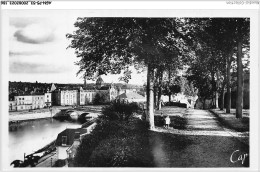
99	82
53	87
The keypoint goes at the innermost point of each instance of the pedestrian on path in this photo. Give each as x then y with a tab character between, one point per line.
167	121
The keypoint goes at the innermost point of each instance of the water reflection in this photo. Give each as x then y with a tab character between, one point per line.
29	136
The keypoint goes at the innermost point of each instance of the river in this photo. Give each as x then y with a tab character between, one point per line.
29	136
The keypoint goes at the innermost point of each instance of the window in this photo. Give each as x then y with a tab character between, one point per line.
64	140
47	96
77	135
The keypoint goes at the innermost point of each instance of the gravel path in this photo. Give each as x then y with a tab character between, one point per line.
203	143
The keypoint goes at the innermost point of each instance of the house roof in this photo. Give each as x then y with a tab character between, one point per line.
69	89
104	88
130	95
30	94
70	133
99	80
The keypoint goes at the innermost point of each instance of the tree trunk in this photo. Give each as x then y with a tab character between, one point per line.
217	100
169	79
159	100
228	106
222	97
217	93
159	105
154	97
204	103
223	92
222	100
239	101
213	90
169	97
150	102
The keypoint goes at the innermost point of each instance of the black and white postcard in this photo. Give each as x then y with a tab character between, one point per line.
165	85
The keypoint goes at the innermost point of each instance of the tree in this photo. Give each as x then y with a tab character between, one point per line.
109	45
200	78
234	34
171	88
242	37
101	98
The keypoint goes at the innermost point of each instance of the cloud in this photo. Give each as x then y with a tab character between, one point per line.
35	68
35	34
21	22
24	53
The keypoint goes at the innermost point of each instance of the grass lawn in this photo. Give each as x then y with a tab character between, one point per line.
229	120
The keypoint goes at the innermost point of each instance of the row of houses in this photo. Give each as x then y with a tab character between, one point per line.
66	96
30	101
61	97
81	96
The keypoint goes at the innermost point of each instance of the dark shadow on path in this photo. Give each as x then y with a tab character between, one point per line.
172	150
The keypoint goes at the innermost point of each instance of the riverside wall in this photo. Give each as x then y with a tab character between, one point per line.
39	114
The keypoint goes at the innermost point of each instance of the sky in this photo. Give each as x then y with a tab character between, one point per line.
38	49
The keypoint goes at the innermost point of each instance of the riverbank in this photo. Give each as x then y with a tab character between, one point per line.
47	113
49	155
29	116
31	135
35	114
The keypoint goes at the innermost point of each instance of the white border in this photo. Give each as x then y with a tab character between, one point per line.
142	4
141	10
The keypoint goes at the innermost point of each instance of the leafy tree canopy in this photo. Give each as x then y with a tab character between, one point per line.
109	45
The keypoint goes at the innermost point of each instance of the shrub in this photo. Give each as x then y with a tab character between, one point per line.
101	98
91	141
59	163
116	144
178	104
120	110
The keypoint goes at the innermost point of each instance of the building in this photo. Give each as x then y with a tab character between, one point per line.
67	141
131	97
38	101
12	106
47	99
30	101
66	97
128	89
23	102
53	87
99	82
109	90
86	96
